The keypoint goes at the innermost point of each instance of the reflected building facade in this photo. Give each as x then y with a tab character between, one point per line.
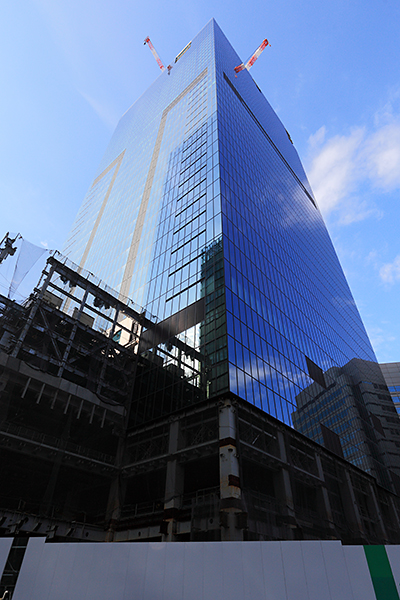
351	412
391	373
201	212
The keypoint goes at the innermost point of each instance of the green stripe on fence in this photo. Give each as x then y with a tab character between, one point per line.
381	573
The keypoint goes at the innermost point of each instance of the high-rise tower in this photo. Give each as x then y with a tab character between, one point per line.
201	212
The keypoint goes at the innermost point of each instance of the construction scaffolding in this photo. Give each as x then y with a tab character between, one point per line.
108	432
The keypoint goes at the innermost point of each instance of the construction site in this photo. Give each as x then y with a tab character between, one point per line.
109	432
241	443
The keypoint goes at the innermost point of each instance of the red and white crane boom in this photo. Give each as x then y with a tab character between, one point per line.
154	52
253	57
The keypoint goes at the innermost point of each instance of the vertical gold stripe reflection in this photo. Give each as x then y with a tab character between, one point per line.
133	250
116	163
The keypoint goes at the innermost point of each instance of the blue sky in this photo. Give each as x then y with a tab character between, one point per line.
70	69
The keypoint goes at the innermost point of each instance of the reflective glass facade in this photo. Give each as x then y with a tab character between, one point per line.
201	201
391	373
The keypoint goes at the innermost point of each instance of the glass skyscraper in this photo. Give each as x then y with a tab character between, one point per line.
201	213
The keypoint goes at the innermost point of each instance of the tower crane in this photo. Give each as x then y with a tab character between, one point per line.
253	57
156	56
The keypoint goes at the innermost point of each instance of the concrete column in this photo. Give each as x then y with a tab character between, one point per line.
4	397
377	510
229	472
48	496
350	505
174	485
116	496
325	494
284	487
114	506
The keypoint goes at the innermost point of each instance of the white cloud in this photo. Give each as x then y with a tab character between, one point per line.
380	339
390	272
318	138
358	210
341	165
334	167
389	111
382	153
